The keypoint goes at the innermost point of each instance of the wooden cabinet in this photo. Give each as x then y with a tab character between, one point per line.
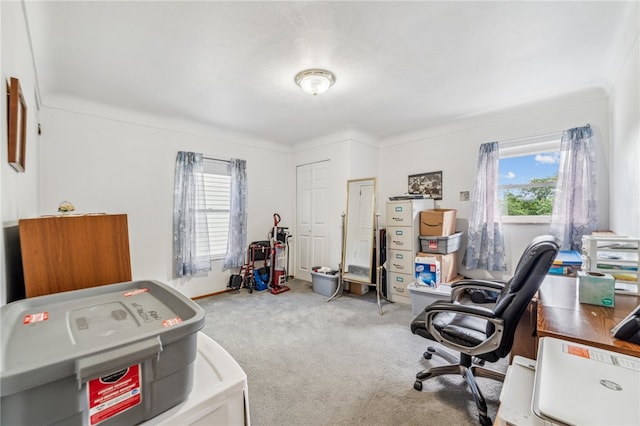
525	341
63	253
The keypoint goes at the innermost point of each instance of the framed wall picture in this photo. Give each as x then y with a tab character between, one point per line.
426	184
17	125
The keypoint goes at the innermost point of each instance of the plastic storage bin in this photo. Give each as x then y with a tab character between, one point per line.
442	245
113	354
422	296
324	284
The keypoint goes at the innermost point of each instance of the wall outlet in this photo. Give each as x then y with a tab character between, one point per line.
464	195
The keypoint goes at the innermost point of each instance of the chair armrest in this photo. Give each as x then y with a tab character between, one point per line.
479	284
488	345
473	310
459	286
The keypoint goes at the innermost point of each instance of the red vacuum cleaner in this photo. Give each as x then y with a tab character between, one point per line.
278	255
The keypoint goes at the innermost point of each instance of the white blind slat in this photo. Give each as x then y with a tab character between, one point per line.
217	190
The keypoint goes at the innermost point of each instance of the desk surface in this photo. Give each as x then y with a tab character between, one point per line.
560	315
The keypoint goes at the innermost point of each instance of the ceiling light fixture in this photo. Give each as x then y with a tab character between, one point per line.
315	81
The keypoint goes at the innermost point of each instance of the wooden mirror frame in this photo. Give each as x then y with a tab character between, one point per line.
359	232
17	125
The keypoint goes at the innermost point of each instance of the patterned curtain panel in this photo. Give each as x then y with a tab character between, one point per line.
190	232
237	242
575	202
485	246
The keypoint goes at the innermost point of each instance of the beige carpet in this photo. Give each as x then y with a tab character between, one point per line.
310	362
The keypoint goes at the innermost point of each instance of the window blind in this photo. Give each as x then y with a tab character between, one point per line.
217	189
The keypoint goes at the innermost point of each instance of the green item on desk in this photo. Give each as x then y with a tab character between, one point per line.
595	288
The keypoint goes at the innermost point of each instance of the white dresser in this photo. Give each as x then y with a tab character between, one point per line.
403	232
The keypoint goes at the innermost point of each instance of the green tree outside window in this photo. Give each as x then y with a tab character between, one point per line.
532	201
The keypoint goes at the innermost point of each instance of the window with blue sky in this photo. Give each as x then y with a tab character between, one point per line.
528	175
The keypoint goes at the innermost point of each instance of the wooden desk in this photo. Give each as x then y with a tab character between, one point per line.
556	312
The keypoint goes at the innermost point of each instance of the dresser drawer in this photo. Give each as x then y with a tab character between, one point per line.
401	261
400	213
400	238
400	299
398	283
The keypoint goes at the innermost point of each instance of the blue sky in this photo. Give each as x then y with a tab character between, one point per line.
517	170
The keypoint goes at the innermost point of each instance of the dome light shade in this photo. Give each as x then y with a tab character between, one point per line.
315	81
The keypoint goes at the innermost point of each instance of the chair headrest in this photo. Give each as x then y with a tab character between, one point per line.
534	261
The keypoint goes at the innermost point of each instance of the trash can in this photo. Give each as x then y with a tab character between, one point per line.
324	281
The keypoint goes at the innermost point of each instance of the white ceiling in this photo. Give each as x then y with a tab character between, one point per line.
400	66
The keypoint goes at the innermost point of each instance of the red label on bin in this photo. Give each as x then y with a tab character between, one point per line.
171	322
114	393
32	318
134	292
433	244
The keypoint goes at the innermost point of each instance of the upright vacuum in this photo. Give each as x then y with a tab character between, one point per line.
279	255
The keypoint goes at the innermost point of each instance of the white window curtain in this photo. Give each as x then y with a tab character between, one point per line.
237	242
575	202
189	218
485	245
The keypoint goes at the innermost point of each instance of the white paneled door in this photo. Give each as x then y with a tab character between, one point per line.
312	218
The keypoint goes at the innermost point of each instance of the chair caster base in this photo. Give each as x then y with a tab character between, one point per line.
427	355
417	385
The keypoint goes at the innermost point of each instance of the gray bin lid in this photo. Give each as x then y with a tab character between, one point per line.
76	333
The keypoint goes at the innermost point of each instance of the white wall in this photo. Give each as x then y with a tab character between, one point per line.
625	134
363	156
19	190
453	148
108	160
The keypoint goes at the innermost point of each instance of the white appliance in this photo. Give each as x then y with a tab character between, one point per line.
582	385
571	384
219	395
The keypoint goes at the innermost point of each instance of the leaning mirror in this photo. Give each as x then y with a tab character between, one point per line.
358	232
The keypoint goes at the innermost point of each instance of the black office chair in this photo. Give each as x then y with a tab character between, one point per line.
478	332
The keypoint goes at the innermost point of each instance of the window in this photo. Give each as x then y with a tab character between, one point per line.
528	173
217	198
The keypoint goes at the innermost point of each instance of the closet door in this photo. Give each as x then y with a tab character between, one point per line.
312	214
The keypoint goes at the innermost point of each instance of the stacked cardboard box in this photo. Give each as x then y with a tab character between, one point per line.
437	223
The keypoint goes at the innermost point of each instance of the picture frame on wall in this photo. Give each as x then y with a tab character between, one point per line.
426	184
16	125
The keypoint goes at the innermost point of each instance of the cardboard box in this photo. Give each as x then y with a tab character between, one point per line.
427	271
357	288
438	222
448	265
595	288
